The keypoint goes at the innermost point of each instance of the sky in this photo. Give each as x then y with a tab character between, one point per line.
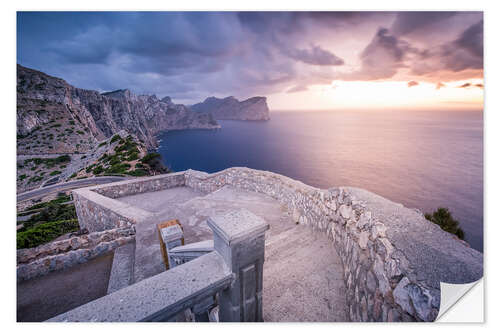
298	60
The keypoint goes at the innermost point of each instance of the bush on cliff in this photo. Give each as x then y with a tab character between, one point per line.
155	162
53	211
443	218
44	233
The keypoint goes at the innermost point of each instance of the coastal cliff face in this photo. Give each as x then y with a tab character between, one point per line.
254	108
55	117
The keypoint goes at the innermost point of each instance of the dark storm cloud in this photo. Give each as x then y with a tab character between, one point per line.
465	52
315	56
472	39
191	55
382	57
408	22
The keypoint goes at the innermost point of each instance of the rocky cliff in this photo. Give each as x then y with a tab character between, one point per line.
254	108
55	117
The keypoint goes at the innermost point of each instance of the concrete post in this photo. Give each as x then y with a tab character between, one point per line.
239	239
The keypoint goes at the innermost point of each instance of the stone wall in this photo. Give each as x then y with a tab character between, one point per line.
46	258
393	258
141	185
98	213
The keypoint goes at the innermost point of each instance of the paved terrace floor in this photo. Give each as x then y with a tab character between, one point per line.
302	272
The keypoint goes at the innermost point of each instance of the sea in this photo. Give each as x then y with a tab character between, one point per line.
422	159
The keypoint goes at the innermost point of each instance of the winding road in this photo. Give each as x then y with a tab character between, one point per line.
40	192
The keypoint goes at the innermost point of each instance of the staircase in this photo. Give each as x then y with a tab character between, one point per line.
302	271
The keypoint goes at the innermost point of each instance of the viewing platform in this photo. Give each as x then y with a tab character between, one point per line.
296	253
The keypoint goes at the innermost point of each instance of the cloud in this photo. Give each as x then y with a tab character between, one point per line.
410	22
297	89
381	58
191	55
462	53
412	84
315	56
470	85
472	39
440	85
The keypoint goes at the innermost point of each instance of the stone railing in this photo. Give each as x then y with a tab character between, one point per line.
233	272
393	258
185	253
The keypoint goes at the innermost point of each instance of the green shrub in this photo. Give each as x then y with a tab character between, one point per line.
150	157
115	138
56	172
73	175
71	122
118	168
443	218
98	170
138	173
101	144
22	177
45	232
52	211
133	156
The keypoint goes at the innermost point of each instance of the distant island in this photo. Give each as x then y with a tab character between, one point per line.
254	108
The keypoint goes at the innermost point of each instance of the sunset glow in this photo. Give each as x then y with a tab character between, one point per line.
365	95
298	60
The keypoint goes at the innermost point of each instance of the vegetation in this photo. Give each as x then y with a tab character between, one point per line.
115	138
44	233
50	220
443	218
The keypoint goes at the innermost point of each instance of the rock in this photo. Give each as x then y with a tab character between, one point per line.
363	239
401	296
254	108
383	282
345	211
364	220
371	282
384	247
378	230
421	300
96	116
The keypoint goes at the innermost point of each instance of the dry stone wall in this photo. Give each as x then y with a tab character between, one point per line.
141	185
393	259
54	256
382	283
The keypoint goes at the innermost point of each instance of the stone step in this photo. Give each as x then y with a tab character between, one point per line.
303	278
122	270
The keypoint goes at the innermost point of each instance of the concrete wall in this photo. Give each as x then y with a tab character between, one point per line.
393	258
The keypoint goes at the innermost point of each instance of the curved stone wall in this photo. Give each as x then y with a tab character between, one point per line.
393	258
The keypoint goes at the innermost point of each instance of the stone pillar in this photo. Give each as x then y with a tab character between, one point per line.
239	239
